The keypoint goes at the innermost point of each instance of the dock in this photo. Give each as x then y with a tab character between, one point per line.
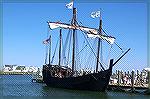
134	81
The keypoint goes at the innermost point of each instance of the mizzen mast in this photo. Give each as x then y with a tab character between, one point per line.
99	48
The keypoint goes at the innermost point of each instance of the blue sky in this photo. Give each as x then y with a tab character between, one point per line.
25	27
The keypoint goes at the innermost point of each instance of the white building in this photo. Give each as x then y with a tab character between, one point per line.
7	69
32	69
19	68
147	69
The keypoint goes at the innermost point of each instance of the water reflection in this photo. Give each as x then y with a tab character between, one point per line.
58	92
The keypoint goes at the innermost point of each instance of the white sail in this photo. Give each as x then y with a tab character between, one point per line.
54	25
91	32
91	36
107	38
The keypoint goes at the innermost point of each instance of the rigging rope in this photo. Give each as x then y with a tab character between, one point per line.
65	46
117	46
46	47
92	48
54	51
67	63
108	58
114	42
82	49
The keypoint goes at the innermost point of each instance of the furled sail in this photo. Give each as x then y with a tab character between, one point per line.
91	32
109	39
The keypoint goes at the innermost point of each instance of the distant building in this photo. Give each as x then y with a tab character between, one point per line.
8	68
20	68
33	69
147	69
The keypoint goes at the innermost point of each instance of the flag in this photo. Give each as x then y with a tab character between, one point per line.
95	14
46	41
70	5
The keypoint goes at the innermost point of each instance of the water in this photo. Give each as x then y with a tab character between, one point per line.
21	85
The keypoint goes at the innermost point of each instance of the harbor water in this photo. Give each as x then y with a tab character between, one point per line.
22	85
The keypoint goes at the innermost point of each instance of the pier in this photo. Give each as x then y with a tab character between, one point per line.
134	81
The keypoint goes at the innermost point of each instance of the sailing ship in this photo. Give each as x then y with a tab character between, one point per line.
65	74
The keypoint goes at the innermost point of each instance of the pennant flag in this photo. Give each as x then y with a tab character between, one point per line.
70	5
46	41
95	14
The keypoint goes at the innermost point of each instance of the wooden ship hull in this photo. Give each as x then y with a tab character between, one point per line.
92	81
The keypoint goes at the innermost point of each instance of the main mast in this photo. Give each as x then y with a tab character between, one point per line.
99	43
73	50
60	40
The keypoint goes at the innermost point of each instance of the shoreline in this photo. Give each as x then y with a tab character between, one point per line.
15	73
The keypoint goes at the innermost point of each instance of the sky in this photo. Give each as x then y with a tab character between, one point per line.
25	28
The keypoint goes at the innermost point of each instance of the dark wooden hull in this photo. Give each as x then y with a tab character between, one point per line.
93	81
